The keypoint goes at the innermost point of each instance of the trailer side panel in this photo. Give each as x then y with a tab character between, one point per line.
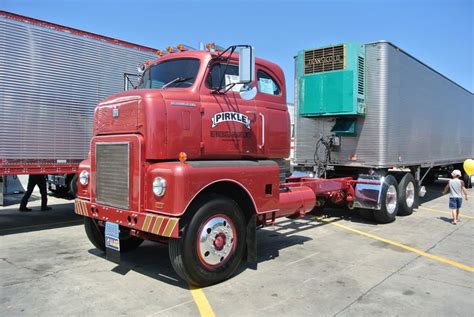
50	81
414	116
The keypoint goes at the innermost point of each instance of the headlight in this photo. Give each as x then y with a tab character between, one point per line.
159	186
84	178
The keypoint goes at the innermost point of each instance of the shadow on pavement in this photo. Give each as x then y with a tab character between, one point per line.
15	199
433	191
341	213
446	219
151	259
62	215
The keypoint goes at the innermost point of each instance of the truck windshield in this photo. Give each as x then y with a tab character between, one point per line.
178	73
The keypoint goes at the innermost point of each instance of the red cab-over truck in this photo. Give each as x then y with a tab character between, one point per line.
195	157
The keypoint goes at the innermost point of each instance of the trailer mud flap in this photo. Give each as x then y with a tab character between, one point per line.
367	196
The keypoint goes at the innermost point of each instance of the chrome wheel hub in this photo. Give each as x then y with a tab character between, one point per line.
391	199
216	241
410	194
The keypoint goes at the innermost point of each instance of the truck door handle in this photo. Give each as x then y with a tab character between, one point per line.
260	146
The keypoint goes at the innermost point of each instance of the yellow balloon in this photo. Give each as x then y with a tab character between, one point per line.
469	167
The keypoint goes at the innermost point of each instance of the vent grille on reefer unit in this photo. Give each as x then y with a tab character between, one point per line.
360	75
324	59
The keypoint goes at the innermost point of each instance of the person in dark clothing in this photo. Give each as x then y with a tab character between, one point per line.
34	180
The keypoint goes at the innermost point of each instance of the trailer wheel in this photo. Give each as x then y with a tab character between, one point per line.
95	233
212	244
407	195
389	201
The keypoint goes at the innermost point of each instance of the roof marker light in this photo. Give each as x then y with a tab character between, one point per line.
182	157
211	47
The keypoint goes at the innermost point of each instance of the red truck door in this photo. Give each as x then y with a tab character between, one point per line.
230	124
272	110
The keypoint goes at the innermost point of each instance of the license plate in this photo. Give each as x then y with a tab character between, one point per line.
112	236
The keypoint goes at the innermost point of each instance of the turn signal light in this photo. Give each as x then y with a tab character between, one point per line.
182	157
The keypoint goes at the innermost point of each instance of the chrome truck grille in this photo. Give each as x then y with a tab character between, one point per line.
113	174
324	59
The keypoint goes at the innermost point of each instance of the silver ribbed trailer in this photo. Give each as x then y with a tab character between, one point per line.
413	119
51	78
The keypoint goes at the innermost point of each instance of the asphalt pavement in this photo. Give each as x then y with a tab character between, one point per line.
326	264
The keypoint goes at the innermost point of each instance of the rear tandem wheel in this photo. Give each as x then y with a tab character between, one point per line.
388	201
407	195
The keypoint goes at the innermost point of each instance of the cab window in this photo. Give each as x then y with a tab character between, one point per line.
266	84
221	75
177	73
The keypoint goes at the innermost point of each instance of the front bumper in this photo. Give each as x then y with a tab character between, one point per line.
140	221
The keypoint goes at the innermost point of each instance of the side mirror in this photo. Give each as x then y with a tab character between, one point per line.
246	65
248	92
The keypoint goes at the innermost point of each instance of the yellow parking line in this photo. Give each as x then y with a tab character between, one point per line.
402	246
445	212
205	309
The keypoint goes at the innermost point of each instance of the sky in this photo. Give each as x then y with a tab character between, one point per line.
439	33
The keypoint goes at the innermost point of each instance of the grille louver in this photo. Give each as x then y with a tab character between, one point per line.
113	174
324	59
360	75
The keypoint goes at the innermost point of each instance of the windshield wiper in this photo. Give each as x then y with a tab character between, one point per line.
176	80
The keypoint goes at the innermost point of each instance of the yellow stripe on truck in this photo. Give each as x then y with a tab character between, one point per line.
157	225
146	223
169	227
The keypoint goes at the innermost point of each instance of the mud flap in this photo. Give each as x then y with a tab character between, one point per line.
251	237
367	196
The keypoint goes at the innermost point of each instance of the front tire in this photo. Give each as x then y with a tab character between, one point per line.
73	186
95	233
212	244
407	195
389	201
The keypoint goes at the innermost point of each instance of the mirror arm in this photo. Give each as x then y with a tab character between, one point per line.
227	87
230	86
219	57
231	48
226	65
